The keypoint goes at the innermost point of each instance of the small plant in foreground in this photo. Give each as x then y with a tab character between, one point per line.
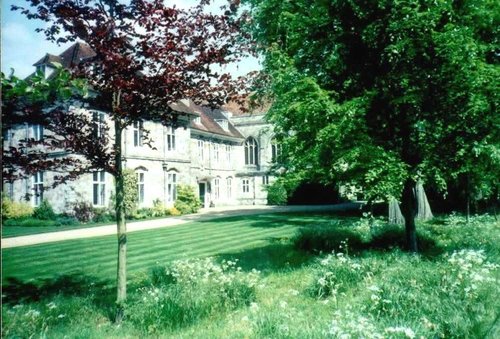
335	274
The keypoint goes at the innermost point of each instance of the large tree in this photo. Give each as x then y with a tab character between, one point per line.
379	94
147	57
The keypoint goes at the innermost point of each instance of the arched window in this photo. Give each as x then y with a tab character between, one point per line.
171	186
275	151
251	152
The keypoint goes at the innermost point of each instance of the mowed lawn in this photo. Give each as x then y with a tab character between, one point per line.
97	256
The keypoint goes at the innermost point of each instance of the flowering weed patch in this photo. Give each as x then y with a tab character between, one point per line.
354	292
190	290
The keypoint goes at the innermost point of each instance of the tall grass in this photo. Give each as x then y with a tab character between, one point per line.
370	290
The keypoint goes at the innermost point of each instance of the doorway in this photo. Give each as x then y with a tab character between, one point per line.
202	186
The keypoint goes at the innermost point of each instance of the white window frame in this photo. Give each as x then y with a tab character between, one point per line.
140	186
170	141
275	151
99	188
216	153
98	120
37	132
171	186
245	184
207	151
265	180
228	154
37	188
251	152
229	187
201	150
138	128
217	188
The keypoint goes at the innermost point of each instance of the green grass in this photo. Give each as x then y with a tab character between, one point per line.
16	231
97	256
374	288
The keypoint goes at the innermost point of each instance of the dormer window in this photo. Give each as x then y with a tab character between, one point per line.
197	120
223	123
40	69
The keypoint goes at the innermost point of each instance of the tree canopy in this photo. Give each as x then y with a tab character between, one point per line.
377	95
143	56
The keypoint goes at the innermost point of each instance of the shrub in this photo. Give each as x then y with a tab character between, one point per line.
83	211
31	222
276	193
174	211
101	215
159	209
142	213
67	220
329	238
12	209
44	211
188	291
187	201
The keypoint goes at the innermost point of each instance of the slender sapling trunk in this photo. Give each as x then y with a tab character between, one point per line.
121	277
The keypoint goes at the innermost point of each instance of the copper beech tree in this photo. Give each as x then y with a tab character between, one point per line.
146	57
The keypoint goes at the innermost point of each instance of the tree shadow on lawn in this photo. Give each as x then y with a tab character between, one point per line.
275	220
344	239
77	284
279	255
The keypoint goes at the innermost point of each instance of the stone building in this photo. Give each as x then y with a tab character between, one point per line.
226	155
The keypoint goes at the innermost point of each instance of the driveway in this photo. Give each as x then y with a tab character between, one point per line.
204	214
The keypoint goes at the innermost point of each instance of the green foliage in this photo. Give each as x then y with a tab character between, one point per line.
380	93
187	291
376	294
276	194
101	215
187	202
37	89
12	209
44	211
131	193
328	238
159	209
31	222
336	273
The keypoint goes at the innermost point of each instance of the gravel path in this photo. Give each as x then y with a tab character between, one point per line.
204	214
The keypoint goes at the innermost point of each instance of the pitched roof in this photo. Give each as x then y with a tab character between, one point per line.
76	53
248	109
79	52
208	118
47	59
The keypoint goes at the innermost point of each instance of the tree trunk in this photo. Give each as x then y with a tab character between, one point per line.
467	199
121	278
423	208
409	211
395	216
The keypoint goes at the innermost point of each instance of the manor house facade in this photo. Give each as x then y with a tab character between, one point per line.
226	155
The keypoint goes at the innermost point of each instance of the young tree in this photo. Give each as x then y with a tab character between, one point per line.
147	56
376	92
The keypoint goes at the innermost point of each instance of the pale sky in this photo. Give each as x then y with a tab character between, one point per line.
22	46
